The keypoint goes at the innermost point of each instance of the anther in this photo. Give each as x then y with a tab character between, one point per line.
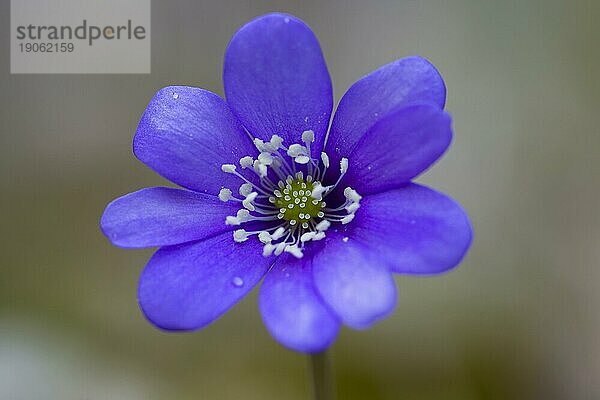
308	136
296	150
325	159
323	225
352	194
278	234
268	249
240	235
228	168
246	162
276	141
265	158
247	203
294	250
265	237
225	194
343	165
245	189
318	190
347	219
352	208
260	168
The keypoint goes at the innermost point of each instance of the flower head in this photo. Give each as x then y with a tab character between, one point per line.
324	216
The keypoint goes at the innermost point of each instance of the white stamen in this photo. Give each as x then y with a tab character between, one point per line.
319	236
352	208
260	168
323	225
246	162
265	237
308	136
240	235
296	150
265	158
318	191
225	194
260	145
245	189
302	159
343	165
228	168
325	159
271	146
268	249
276	141
280	247
294	250
247	203
243	215
252	196
307	236
347	219
230	220
352	194
278	234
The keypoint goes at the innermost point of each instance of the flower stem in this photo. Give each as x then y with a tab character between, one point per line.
322	376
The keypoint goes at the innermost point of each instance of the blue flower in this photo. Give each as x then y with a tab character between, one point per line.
324	216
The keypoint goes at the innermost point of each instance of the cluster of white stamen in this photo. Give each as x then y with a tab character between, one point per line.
293	208
352	204
242	216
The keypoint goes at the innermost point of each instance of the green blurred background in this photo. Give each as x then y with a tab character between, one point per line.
518	320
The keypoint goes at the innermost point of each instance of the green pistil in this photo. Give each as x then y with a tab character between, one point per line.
295	201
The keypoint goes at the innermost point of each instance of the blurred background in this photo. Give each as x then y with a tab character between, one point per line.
518	320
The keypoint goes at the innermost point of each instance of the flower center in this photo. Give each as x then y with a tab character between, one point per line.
296	204
293	211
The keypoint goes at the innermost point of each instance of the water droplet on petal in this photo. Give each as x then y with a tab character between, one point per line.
175	96
345	240
286	19
237	281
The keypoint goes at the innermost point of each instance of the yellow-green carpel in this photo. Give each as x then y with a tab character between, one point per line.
295	203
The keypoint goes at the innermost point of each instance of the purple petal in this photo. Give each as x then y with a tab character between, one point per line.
404	81
398	147
188	286
414	230
186	134
276	80
292	310
358	289
162	216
